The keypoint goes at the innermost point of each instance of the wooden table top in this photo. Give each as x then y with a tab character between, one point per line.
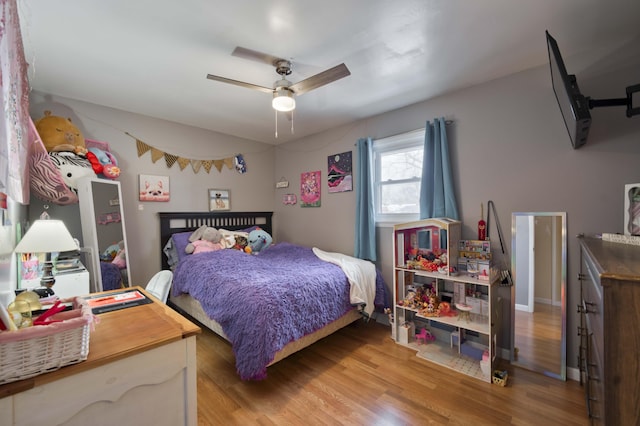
117	335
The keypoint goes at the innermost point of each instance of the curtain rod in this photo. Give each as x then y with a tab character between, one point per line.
446	122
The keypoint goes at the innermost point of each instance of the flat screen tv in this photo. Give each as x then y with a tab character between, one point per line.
573	105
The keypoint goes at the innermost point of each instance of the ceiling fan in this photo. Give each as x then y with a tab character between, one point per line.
283	90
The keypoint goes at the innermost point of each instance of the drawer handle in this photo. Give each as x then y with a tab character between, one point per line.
582	331
594	379
580	277
590	304
581	309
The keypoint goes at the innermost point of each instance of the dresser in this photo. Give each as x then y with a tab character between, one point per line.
609	337
141	369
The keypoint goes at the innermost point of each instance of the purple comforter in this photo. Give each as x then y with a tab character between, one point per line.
265	301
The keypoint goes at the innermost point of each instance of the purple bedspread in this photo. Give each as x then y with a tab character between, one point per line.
265	301
111	276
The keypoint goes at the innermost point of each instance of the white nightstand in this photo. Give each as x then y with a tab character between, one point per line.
68	284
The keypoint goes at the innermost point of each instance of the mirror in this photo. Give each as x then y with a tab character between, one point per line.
103	232
538	308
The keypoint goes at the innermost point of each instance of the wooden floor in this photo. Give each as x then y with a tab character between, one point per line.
359	376
538	338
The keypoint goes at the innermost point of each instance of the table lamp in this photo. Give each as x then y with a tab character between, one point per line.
46	236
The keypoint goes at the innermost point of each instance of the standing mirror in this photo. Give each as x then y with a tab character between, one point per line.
539	262
103	233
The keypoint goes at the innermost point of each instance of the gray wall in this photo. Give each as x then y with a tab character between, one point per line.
508	144
252	191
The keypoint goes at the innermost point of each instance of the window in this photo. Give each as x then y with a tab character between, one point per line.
397	165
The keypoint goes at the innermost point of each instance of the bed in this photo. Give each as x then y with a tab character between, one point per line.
269	319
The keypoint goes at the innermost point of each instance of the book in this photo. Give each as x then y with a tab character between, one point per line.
114	301
624	239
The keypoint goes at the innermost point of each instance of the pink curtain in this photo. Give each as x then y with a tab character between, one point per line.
14	135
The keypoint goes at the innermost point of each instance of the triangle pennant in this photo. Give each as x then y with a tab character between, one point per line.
170	159
183	162
156	154
218	164
195	165
142	147
229	162
207	165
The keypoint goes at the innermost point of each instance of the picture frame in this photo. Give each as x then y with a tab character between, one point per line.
339	175
632	209
154	188
310	189
219	199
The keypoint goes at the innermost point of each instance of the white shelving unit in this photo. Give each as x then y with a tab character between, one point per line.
461	338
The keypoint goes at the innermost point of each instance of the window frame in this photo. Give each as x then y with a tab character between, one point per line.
397	143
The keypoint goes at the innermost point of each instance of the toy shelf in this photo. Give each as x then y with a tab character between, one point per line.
425	253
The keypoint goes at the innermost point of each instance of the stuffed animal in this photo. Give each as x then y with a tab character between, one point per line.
259	240
204	239
241	243
60	134
71	167
104	164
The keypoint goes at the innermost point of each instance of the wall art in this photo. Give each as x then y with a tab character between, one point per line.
154	188
339	175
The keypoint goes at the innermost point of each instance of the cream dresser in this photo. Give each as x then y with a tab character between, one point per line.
141	369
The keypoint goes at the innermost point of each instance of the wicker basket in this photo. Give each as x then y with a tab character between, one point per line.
40	349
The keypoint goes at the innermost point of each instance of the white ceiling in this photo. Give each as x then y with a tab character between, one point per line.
152	57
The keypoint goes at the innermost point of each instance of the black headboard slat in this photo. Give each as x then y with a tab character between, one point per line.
171	223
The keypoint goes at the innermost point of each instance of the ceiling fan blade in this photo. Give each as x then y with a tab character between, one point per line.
240	83
320	79
254	55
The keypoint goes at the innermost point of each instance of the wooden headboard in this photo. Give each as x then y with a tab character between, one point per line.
171	223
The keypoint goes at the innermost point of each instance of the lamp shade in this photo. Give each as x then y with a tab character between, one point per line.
283	100
46	236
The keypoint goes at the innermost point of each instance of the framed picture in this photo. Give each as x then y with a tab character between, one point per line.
632	209
339	172
154	188
310	189
219	199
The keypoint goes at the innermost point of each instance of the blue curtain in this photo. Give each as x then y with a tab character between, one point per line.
365	237
437	197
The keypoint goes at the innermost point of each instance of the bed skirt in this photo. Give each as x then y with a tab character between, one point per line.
193	308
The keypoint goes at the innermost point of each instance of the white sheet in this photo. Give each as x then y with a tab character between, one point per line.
360	273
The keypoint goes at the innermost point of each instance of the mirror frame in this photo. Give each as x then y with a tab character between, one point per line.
89	219
563	292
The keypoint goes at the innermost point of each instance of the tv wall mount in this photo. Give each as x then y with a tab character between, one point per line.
628	101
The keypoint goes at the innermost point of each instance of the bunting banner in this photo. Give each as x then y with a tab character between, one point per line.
236	162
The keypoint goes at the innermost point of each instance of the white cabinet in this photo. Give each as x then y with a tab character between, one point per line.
103	224
458	309
67	284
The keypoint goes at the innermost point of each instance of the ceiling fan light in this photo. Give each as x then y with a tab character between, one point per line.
283	100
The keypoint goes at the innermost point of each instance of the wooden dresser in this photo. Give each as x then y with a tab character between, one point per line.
610	337
141	369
